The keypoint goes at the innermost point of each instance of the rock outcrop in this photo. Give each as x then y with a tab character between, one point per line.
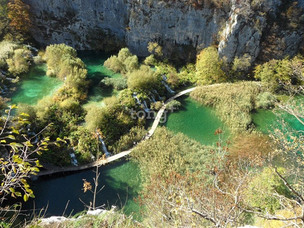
244	27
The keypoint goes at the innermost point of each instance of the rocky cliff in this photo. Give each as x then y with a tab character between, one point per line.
269	28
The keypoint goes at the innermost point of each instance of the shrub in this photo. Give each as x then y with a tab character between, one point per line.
157	105
265	100
116	83
29	110
155	49
62	62
128	140
84	144
113	121
57	56
143	79
124	62
114	64
6	51
150	60
19	15
187	74
173	105
278	74
20	62
260	191
209	67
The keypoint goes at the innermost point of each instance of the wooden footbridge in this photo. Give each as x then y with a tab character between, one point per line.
122	154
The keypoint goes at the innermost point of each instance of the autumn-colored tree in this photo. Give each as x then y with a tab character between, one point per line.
19	15
3	18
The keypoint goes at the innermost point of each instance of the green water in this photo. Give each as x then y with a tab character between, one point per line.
94	61
266	120
35	86
197	122
121	182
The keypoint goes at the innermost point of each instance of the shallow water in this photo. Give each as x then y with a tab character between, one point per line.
197	122
266	121
121	182
94	61
35	86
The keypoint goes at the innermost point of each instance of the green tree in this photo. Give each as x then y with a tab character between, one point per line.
20	62
125	62
280	74
209	67
143	79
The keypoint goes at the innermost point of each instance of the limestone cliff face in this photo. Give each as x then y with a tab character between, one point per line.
243	28
173	26
83	24
269	29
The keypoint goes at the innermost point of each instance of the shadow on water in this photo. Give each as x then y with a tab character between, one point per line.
94	61
121	183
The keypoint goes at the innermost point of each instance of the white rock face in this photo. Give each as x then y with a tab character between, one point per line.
87	24
242	34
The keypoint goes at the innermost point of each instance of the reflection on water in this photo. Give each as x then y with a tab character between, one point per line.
121	183
94	61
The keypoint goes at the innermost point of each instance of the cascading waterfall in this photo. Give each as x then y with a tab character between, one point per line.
144	103
136	98
156	93
104	147
73	159
146	106
166	85
152	98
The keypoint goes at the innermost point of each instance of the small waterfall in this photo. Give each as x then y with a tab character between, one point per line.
144	103
166	85
104	147
136	98
146	106
73	159
156	93
153	98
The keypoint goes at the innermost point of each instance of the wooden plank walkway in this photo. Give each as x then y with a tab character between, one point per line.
121	154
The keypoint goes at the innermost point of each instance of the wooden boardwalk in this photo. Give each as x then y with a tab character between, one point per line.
121	154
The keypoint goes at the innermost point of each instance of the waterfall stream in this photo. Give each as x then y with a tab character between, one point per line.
73	159
104	147
144	103
164	82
